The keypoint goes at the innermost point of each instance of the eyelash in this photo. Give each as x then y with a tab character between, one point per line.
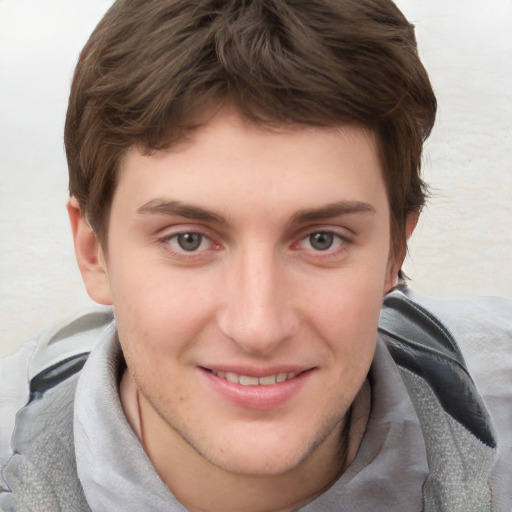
167	242
339	240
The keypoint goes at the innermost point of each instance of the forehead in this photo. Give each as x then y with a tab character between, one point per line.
230	163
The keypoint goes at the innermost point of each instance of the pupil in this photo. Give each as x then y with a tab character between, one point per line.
189	241
321	241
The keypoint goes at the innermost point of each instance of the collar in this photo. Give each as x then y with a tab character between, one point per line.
112	466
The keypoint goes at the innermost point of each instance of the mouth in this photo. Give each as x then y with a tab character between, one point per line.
260	390
247	380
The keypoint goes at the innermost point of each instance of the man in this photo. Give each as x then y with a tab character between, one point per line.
244	176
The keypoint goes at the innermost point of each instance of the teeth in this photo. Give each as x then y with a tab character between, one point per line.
267	381
255	381
232	377
249	381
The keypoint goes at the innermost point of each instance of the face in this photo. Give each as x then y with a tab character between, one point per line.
247	269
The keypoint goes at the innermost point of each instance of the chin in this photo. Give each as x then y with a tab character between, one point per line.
273	454
260	464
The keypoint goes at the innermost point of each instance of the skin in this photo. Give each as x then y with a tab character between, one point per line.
256	294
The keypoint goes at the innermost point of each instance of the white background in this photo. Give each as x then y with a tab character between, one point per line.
462	245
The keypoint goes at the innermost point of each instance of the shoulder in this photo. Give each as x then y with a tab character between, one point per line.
482	327
462	312
425	348
39	368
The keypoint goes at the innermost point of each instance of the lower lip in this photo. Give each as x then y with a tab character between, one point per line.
259	398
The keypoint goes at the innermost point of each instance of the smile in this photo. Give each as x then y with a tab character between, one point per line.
258	392
245	380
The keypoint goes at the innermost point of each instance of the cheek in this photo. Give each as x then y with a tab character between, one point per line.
347	312
161	322
156	303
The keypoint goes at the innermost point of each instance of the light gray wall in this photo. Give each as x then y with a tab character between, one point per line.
463	242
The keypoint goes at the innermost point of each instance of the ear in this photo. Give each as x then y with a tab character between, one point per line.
89	255
396	262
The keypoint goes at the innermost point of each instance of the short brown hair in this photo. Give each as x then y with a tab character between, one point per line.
151	65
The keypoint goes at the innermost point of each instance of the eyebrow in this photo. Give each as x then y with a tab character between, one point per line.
332	210
170	207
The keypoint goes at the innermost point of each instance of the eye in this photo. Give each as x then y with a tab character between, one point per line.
188	242
322	241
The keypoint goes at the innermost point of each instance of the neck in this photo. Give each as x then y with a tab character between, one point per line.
204	487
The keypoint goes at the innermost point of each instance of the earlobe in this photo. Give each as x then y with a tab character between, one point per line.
89	255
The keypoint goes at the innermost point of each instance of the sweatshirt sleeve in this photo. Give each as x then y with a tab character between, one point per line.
14	394
482	327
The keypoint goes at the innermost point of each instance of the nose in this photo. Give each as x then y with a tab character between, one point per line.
258	313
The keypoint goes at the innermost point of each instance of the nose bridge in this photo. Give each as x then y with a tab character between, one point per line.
258	314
